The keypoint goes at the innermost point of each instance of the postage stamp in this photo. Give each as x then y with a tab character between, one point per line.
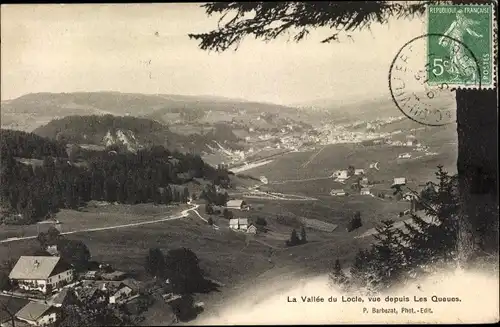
432	105
465	48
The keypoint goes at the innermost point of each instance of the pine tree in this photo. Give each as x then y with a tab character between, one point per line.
337	276
294	239
303	237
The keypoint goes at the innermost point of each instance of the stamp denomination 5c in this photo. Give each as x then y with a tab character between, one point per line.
466	48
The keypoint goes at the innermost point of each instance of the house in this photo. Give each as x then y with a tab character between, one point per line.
359	172
364	181
9	306
339	192
399	181
115	275
341	174
252	229
408	196
37	314
404	156
124	291
41	273
122	294
237	204
93	294
365	191
238	224
91	274
63	298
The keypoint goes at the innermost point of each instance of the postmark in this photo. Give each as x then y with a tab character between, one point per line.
465	29
432	104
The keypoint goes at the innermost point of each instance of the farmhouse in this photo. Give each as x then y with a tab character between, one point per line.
399	181
359	172
37	314
238	224
365	191
237	204
339	192
41	273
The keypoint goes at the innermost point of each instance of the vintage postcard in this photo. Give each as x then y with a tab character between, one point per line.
249	163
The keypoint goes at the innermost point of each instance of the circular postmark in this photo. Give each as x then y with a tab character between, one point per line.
414	84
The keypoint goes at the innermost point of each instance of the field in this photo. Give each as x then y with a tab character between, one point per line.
95	215
292	168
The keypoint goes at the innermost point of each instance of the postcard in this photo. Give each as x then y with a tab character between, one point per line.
249	163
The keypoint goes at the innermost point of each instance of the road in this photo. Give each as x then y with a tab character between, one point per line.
183	214
205	220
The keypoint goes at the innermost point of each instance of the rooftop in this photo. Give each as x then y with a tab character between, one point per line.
34	267
10	305
32	311
236	203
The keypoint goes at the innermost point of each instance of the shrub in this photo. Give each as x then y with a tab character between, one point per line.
261	221
355	222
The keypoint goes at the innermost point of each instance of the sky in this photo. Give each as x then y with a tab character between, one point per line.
89	47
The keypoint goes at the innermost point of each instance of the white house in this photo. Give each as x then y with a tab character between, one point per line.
252	229
404	156
122	294
341	174
238	224
409	196
399	181
359	172
37	314
365	191
339	192
41	273
237	204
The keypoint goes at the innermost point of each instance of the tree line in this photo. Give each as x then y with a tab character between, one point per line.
34	192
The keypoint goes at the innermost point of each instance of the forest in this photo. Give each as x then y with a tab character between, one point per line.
141	131
33	192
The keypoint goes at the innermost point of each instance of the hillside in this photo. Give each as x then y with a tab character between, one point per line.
132	132
369	109
35	109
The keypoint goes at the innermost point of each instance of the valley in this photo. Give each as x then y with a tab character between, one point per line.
284	168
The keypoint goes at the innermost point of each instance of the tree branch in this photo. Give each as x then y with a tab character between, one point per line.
268	20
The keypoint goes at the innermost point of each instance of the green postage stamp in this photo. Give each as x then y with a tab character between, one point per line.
460	46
